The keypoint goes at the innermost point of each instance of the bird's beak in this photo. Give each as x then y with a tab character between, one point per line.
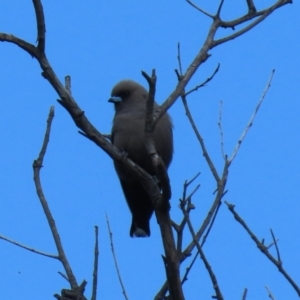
115	99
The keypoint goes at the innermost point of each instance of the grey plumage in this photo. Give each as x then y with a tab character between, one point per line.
128	134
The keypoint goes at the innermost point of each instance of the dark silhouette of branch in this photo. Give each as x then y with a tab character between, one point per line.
200	139
180	230
162	206
250	123
28	248
211	224
245	294
179	59
40	21
217	16
276	246
95	272
251	6
212	276
189	268
210	215
270	293
157	161
37	165
185	201
204	83
220	125
263	248
210	43
200	9
115	258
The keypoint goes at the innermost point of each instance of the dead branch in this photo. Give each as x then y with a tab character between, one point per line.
212	276
28	248
221	129
263	248
270	293
37	165
200	139
95	272
250	123
115	258
245	294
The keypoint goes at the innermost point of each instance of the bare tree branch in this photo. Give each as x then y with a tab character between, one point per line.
29	48
28	248
263	248
37	165
179	59
221	129
260	15
200	9
276	246
200	139
270	293
157	161
41	27
245	294
251	7
250	123
115	258
95	272
188	269
212	276
217	16
162	206
205	82
210	43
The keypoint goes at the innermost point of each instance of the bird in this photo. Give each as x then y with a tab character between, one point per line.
128	135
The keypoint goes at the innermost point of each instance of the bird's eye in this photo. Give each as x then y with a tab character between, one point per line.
126	93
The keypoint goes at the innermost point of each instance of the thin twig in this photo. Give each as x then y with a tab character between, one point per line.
28	248
41	27
200	139
63	276
221	128
219	9
180	228
260	16
212	276
211	224
250	123
179	59
251	6
96	260
245	294
205	82
200	9
115	258
276	246
37	165
271	244
263	248
270	293
157	162
188	269
207	221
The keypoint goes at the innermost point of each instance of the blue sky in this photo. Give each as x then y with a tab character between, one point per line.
99	44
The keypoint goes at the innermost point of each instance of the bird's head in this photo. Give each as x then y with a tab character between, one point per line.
128	94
